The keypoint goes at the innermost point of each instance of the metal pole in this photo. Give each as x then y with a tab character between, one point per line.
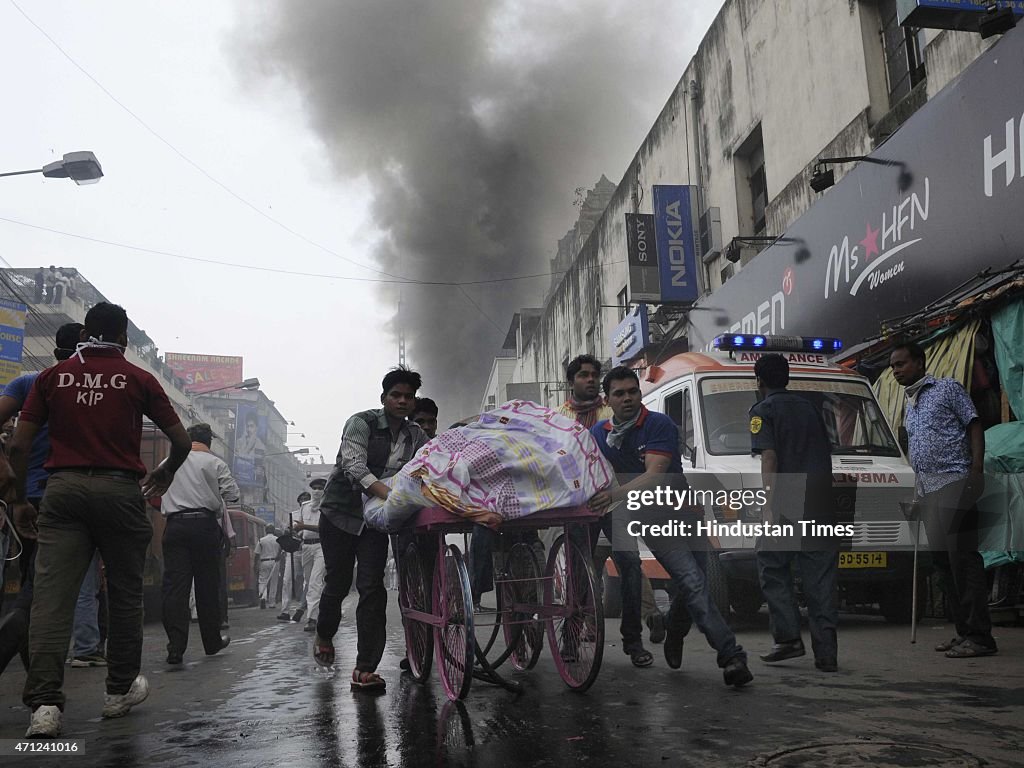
913	593
21	173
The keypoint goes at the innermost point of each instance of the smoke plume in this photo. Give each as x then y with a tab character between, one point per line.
474	122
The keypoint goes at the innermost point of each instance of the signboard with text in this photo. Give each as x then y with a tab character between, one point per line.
12	339
642	256
204	373
677	229
631	336
949	14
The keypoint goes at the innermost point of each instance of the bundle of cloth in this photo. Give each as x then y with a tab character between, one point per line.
511	462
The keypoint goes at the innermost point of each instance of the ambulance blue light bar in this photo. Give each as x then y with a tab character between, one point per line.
763	343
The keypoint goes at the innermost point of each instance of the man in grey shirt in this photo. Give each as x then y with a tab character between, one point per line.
375	445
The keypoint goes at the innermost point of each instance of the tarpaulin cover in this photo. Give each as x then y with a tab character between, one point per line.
1001	538
513	461
1008	331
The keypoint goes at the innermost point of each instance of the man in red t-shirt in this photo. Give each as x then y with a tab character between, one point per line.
94	403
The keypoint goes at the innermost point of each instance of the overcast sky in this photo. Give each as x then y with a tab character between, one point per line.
443	142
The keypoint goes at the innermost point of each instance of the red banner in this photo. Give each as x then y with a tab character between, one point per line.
204	373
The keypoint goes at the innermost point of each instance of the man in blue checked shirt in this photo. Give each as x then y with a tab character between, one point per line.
947	452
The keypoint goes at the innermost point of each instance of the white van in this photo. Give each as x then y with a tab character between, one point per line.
708	395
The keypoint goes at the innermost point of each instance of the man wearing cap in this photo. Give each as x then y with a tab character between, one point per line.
193	507
308	529
94	403
268	553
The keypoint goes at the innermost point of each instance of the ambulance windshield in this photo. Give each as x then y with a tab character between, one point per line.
853	420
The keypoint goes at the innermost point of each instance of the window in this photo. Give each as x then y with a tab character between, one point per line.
751	184
623	301
590	342
726	273
903	48
853	421
677	408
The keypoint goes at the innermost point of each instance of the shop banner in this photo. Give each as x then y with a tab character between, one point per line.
204	373
12	339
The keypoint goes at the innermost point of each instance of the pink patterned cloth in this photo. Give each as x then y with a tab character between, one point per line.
519	459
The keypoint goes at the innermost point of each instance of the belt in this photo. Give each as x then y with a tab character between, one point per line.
310	541
191	515
101	472
267	559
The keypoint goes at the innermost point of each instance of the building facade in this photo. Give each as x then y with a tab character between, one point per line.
774	86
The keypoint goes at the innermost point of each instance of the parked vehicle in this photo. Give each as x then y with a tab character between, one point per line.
708	395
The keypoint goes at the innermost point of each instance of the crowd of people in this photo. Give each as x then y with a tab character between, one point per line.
75	494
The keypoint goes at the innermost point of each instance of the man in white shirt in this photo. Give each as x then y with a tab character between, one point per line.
308	529
194	507
292	596
268	553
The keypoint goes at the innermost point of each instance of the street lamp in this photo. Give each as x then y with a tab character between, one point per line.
823	177
249	384
80	167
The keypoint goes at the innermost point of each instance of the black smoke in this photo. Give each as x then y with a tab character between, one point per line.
474	122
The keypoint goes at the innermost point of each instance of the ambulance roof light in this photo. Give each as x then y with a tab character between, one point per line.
765	343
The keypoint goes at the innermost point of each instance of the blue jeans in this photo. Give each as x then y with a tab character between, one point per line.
686	567
819	574
87	624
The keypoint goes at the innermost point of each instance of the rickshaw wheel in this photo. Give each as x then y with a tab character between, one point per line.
523	632
576	638
412	594
454	640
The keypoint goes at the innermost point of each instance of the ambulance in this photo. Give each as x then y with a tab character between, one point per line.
708	396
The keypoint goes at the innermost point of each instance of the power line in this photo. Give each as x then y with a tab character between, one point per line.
253	267
189	160
479	309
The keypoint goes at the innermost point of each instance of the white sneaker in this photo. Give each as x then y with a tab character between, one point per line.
120	705
45	723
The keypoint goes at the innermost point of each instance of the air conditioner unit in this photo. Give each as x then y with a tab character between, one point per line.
711	234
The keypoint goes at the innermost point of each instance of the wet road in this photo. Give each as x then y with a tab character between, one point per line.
265	703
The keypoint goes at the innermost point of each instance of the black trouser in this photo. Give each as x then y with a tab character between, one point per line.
192	548
952	528
80	513
14	626
369	553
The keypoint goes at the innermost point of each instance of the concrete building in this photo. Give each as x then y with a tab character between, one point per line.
49	308
774	85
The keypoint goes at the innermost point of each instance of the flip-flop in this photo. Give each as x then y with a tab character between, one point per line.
968	649
323	652
367	681
641	657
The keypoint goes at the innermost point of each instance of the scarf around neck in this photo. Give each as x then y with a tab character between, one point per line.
622	428
585	410
913	390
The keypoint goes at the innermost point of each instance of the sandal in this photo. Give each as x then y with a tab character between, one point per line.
640	657
367	681
323	652
968	649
